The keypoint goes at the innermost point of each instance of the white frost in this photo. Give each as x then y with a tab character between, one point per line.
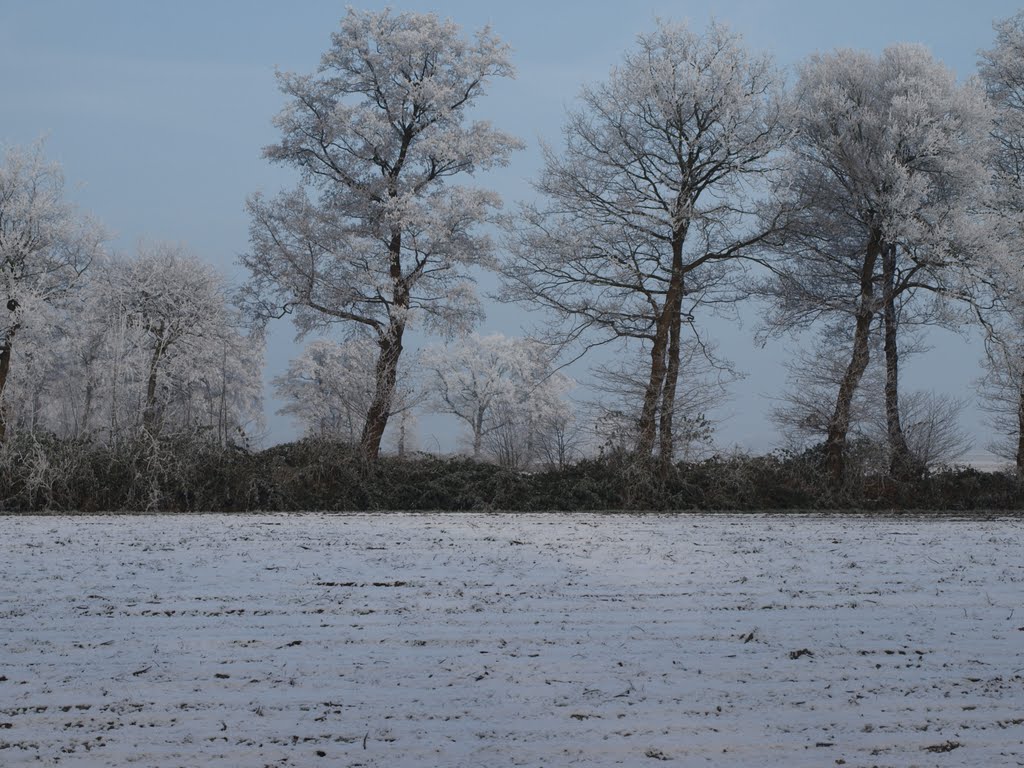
467	640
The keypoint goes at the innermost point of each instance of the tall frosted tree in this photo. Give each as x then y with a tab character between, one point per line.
884	177
378	233
648	206
1002	72
45	247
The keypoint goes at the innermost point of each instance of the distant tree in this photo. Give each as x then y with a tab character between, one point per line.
932	425
883	178
330	386
650	203
509	395
45	246
174	346
377	234
470	378
147	344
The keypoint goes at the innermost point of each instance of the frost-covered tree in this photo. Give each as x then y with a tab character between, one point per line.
1002	72
143	345
508	393
1002	389
329	388
648	206
174	353
471	378
45	246
378	233
884	176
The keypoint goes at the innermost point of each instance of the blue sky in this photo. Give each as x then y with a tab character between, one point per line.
158	112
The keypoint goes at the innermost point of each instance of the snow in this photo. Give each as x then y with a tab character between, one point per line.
500	640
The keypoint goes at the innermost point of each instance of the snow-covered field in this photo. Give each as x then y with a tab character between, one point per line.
475	640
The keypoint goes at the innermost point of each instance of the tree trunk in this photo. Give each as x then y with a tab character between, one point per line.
478	433
222	412
390	342
387	375
648	413
5	368
660	354
1020	427
839	424
901	463
37	408
668	393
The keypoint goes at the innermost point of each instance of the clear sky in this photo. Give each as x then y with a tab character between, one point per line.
158	112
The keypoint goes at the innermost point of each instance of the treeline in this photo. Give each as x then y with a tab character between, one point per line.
189	475
861	202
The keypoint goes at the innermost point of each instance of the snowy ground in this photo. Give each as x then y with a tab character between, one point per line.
474	640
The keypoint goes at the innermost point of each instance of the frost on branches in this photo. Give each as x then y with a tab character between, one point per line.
45	246
509	395
377	234
650	205
880	197
174	338
149	345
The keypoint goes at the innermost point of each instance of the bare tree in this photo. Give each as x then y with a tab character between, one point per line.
150	344
648	207
377	233
932	425
803	412
1002	395
175	308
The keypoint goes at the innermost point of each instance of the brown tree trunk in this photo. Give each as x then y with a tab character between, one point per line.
5	368
647	427
839	424
390	343
1020	427
660	354
387	375
668	394
901	463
